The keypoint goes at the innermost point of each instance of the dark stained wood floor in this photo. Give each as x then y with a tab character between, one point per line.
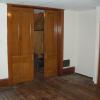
71	87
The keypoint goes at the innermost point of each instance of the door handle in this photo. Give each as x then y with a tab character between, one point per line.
18	31
30	30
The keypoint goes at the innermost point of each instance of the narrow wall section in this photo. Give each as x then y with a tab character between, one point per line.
3	42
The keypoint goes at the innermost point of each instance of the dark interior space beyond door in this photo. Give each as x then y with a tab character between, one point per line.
39	42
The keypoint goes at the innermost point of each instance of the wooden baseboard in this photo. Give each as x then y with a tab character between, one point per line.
69	70
4	82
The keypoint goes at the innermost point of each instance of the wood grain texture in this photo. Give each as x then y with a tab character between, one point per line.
60	40
9	44
20	44
69	70
50	43
71	87
23	17
98	83
4	82
34	7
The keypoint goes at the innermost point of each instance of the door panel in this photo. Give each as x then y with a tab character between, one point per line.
50	44
22	69
27	33
16	31
50	68
27	45
21	45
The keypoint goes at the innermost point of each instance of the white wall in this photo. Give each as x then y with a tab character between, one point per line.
70	36
79	40
97	44
87	37
3	42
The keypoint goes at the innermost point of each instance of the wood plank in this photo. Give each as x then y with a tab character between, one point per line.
20	44
50	43
69	70
98	83
70	87
33	7
4	82
60	40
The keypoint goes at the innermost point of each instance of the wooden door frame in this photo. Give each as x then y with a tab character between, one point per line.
59	40
34	7
98	81
9	38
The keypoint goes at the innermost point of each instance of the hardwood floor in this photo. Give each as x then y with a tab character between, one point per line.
71	87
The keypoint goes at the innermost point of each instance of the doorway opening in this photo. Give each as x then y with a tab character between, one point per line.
39	43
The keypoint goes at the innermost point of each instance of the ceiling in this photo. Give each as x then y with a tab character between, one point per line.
65	4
